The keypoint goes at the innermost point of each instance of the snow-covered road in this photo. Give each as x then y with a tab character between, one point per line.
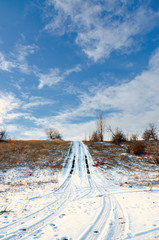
83	207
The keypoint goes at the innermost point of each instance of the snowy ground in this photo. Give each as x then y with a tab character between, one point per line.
80	202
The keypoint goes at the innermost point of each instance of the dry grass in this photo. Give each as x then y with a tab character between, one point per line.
110	154
130	169
104	154
152	151
137	148
34	153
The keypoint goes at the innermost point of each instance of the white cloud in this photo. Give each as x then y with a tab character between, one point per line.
36	102
33	133
8	103
101	26
18	59
22	52
55	76
69	130
12	108
6	65
16	85
78	131
154	61
71	70
12	128
130	105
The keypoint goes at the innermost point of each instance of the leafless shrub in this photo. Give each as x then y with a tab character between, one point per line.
133	138
3	134
150	133
137	148
94	137
153	153
53	134
117	136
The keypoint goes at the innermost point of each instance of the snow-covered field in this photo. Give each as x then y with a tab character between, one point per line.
79	202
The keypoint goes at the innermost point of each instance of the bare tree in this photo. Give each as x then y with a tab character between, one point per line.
150	133
100	126
3	134
53	134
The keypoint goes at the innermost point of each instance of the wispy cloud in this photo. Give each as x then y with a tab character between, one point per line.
77	68
8	105
130	105
55	76
22	51
33	133
17	60
37	102
12	108
16	85
6	65
101	26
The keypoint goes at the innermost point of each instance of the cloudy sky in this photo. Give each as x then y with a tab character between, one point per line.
63	61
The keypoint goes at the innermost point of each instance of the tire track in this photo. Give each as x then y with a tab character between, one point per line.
21	232
74	168
96	228
103	227
82	182
120	221
52	208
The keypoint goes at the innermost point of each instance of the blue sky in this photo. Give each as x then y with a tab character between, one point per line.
63	61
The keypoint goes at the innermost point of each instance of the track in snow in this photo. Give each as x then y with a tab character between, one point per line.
82	207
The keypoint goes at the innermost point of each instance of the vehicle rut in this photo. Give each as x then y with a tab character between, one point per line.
81	185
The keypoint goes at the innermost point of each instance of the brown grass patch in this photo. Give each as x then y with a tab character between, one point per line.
138	170
104	154
32	153
110	155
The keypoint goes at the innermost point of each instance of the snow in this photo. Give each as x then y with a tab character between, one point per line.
82	205
142	210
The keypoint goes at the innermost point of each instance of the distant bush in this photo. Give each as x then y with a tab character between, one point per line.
153	153
3	134
134	138
53	134
137	148
150	133
94	137
118	136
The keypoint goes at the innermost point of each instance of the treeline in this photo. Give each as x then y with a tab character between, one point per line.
118	136
50	133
